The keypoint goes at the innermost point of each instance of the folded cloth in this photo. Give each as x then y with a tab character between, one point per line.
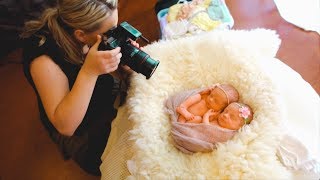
192	137
293	154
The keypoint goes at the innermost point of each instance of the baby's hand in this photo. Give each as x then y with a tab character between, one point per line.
210	113
189	117
207	115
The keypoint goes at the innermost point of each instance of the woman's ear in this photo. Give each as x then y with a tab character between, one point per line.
80	35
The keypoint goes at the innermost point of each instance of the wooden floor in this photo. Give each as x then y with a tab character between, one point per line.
26	150
299	49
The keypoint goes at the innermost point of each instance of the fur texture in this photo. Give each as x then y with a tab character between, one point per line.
199	61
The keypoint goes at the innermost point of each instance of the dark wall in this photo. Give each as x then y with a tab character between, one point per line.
13	14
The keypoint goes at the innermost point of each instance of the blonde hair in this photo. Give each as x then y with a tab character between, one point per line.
67	16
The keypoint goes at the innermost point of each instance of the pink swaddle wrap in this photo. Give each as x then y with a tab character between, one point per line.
192	137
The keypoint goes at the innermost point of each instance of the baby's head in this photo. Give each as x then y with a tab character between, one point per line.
221	96
235	115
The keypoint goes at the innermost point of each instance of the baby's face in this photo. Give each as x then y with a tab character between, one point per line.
230	118
217	99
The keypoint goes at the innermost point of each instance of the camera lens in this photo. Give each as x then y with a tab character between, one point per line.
147	65
138	60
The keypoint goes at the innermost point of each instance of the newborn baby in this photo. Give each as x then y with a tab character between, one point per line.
211	100
233	117
217	117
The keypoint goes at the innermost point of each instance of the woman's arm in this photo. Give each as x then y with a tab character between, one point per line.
66	108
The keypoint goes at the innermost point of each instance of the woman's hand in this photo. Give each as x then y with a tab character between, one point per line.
101	62
134	43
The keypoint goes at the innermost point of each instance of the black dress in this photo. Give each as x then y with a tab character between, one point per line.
89	140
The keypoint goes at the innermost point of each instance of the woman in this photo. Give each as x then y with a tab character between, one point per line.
74	87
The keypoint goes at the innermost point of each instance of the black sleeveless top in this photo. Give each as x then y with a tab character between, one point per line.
101	103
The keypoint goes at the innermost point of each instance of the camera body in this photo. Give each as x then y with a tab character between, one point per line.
132	56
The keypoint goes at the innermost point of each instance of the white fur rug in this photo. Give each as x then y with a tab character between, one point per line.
147	152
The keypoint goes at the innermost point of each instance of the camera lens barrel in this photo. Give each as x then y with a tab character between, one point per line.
138	60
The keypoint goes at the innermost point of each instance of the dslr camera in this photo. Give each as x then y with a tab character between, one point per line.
135	58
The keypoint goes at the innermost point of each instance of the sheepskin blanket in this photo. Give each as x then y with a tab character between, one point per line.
140	145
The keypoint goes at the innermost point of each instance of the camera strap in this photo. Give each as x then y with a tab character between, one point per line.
119	91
